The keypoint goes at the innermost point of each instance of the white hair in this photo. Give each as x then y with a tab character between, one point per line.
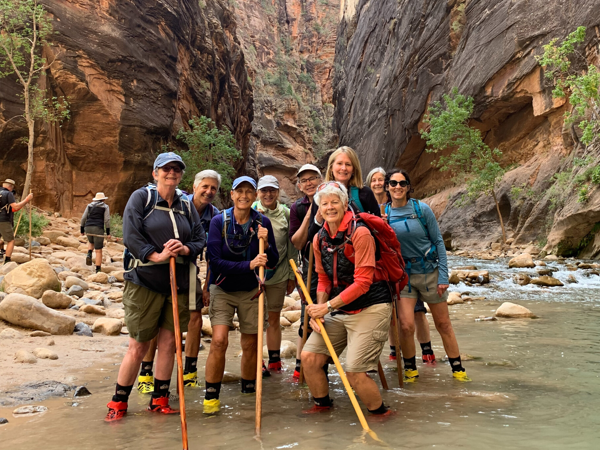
373	172
331	189
208	173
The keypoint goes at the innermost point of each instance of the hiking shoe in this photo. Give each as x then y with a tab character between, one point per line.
392	357
266	372
116	411
161	405
410	376
429	359
316	409
145	384
212	406
296	375
88	259
191	379
461	376
275	367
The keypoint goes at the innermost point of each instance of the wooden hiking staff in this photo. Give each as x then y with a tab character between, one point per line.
259	344
30	208
311	259
336	360
184	436
105	236
396	336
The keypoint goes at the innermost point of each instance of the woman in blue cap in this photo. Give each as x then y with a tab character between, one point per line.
158	223
234	259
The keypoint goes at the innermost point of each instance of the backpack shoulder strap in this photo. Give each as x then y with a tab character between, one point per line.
151	200
185	202
354	196
419	213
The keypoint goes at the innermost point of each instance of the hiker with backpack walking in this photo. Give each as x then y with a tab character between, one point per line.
95	219
425	256
283	280
8	206
158	223
354	307
234	260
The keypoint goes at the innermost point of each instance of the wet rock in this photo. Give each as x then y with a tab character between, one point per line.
486	319
584	266
39	333
8	267
512	310
454	298
229	377
540	263
92	309
107	326
25	357
44	353
521	261
29	410
9	333
571	279
546	280
74	281
3	421
206	326
472	299
27	312
81	391
522	279
287	350
471	276
34	278
291	316
469	268
76	290
99	277
545	271
56	300
551	258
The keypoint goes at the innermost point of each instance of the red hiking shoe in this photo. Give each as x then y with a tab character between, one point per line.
296	375
275	367
429	359
161	405
383	417
393	358
316	409
116	411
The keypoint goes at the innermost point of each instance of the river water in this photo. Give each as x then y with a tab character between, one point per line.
535	386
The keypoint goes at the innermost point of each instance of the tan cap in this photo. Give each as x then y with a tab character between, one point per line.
9	181
306	167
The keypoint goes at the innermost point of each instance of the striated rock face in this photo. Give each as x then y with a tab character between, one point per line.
134	73
397	57
289	47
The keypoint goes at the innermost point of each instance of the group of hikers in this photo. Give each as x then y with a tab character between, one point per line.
352	301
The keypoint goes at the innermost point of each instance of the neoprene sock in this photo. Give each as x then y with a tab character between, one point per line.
89	253
122	393
426	348
161	388
7	259
274	356
146	369
213	390
248	386
323	401
410	363
190	364
456	364
392	350
98	269
381	410
298	364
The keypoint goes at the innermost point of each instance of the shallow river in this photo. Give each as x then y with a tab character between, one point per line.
535	386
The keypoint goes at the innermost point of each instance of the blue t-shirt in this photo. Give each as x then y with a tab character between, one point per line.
414	242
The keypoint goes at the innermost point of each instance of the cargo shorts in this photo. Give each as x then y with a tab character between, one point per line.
275	295
96	240
224	305
6	232
423	286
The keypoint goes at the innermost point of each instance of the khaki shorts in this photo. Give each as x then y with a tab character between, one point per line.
97	241
146	311
364	334
196	304
223	306
6	231
423	286
275	295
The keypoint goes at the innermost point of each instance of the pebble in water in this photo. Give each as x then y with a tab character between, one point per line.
81	391
24	411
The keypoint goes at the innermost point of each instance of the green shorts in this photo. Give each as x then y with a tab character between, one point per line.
224	305
6	231
423	286
96	240
146	311
275	295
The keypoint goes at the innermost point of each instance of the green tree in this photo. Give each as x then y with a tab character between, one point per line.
25	28
470	160
208	148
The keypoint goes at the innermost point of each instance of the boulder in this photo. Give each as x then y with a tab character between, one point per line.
44	353
115	313
471	276
53	235
99	277
74	281
288	303
115	296
39	333
544	271
496	247
523	260
287	350
9	266
67	241
291	316
295	295
64	254
20	258
454	298
546	280
551	258
284	322
82	329
76	290
571	279
512	310
108	326
56	300
27	312
62	276
29	410
23	356
206	326
34	278
522	279
43	240
92	309
9	333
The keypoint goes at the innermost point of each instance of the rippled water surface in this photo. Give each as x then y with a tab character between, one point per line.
535	386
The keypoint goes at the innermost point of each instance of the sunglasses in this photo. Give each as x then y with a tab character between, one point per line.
402	183
329	183
175	168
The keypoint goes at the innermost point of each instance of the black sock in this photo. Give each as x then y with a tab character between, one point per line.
122	393
161	388
89	253
248	386
274	356
456	364
381	410
410	363
392	350
426	348
298	363
146	369
213	390
326	370
98	269
190	364
323	401
7	259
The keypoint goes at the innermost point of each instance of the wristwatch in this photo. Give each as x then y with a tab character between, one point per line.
329	307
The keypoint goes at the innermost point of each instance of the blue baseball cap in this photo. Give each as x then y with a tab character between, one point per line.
166	158
243	179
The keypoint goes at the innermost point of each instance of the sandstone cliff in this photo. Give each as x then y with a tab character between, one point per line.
397	57
134	73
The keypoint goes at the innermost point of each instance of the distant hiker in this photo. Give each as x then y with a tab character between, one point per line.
308	178
95	219
376	181
8	206
158	223
425	256
355	309
283	279
234	259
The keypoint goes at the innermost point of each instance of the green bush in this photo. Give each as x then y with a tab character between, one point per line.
116	225
38	222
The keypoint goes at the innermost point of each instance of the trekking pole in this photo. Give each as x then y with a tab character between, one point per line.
382	376
259	344
396	336
184	436
18	222
30	208
311	258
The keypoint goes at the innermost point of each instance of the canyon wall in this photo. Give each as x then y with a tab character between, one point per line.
134	73
394	58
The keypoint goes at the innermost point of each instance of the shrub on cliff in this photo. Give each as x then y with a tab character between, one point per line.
470	160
